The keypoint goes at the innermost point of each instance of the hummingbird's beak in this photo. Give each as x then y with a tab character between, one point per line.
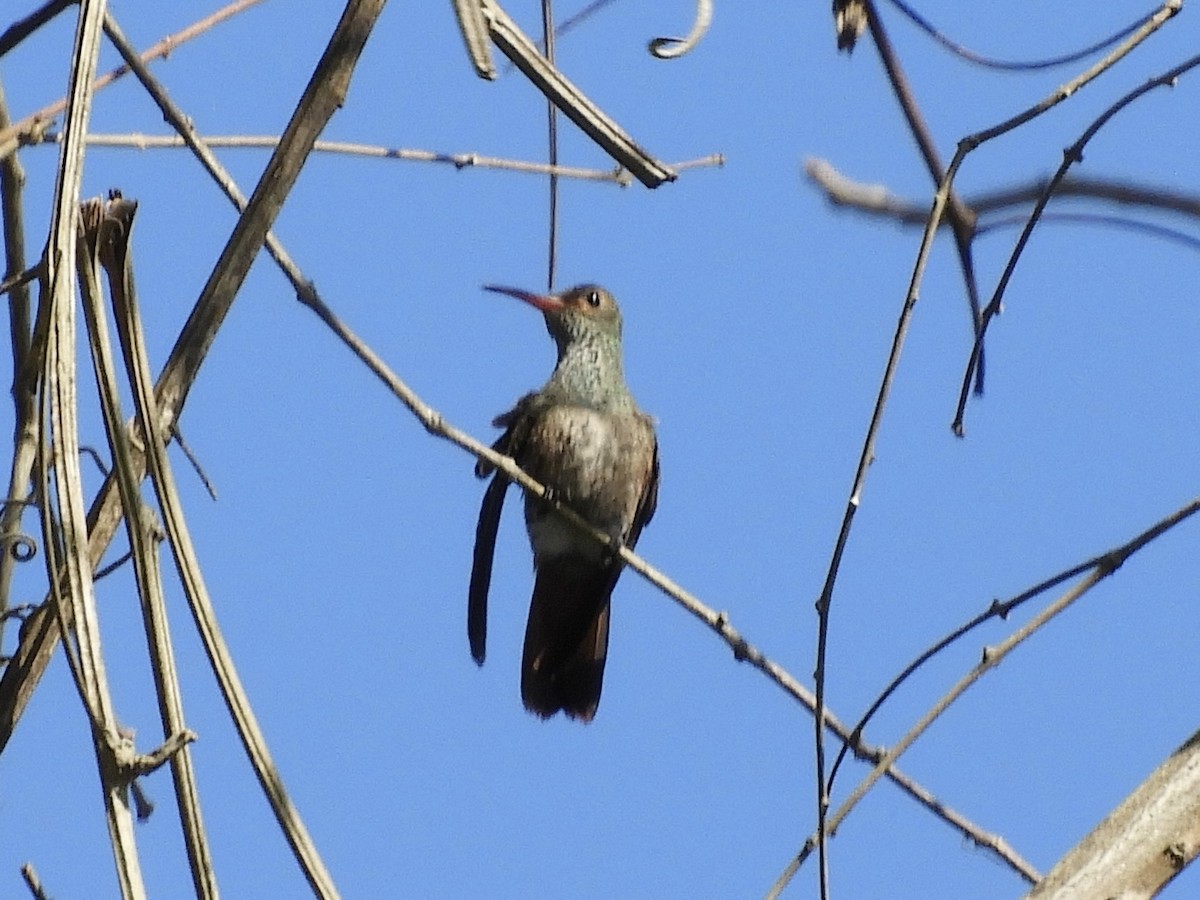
544	302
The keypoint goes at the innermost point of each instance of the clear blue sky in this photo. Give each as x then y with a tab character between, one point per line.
757	323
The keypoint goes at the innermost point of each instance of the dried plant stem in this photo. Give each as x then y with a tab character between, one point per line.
514	44
76	604
107	234
30	876
25	374
325	93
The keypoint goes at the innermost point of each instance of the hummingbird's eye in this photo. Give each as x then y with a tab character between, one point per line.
593	298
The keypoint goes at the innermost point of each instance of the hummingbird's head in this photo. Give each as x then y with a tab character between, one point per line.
583	312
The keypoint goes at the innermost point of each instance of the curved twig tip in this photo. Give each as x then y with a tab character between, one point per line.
674	47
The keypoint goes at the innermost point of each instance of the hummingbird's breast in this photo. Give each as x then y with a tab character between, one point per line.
597	462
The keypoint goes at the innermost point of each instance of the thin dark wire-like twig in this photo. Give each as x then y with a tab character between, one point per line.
1009	65
569	24
1153	229
552	150
876	199
960	216
962	220
23	28
1071	155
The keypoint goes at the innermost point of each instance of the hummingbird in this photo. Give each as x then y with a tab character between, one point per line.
583	437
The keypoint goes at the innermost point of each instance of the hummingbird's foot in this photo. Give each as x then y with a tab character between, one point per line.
550	498
611	552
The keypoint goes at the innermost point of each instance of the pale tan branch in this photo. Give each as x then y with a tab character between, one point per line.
29	128
878	200
617	175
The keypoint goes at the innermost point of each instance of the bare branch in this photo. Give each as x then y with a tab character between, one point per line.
33	125
1071	155
992	656
1154	834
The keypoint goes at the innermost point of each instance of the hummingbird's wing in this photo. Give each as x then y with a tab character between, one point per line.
648	502
481	567
516	423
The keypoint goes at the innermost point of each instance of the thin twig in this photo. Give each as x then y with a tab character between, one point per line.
618	175
992	656
1123	222
1152	24
940	203
33	125
193	460
960	216
1071	156
877	199
552	149
996	610
23	28
30	876
1007	65
25	371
